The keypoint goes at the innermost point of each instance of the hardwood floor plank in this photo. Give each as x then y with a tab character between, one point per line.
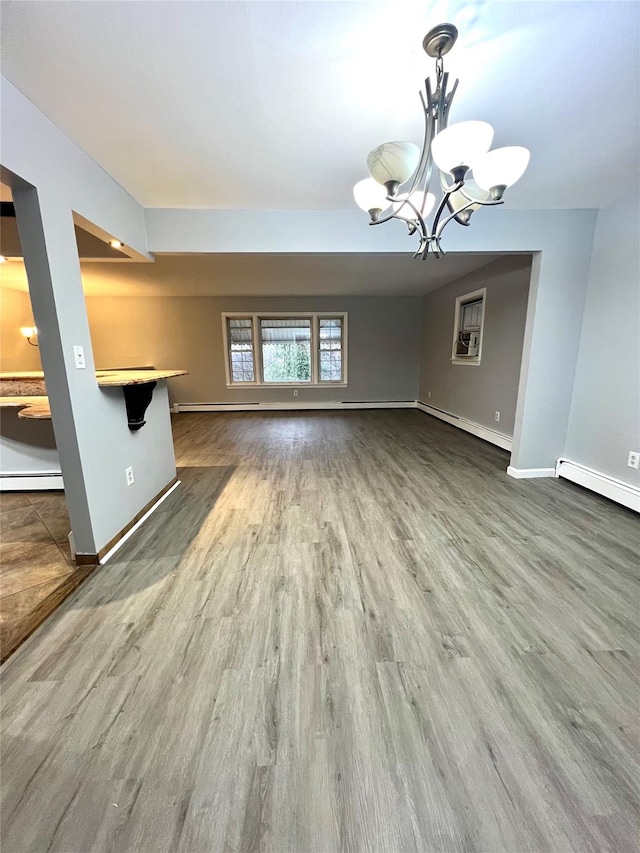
346	631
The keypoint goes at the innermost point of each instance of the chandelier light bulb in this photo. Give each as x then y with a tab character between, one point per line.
370	195
501	167
461	145
393	162
423	202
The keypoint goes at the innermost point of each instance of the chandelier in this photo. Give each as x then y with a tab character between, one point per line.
458	151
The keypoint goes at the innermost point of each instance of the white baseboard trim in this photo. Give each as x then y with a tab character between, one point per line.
529	473
490	435
282	407
31	482
138	523
603	484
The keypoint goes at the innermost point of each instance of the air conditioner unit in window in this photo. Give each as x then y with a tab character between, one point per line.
469	341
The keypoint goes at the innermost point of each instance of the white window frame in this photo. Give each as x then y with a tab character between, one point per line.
460	301
315	317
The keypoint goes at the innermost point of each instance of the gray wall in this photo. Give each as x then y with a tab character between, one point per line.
186	332
605	412
27	446
476	392
53	180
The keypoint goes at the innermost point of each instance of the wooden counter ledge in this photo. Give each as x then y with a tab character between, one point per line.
106	378
37	407
41	412
111	378
18	402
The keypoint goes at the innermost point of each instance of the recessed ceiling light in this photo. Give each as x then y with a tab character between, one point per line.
116	244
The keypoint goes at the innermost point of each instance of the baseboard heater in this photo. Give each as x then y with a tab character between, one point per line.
491	435
32	481
293	406
603	484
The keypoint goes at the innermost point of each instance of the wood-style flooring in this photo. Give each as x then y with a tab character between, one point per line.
36	569
343	632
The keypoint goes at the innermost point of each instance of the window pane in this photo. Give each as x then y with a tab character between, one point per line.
241	350
471	315
331	350
470	324
286	350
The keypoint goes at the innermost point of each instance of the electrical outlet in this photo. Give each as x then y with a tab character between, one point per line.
428	395
634	459
78	357
497	416
129	475
295	392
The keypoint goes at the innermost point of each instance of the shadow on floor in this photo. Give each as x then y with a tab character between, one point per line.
37	573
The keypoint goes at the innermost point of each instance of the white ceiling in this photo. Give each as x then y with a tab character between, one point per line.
265	105
323	274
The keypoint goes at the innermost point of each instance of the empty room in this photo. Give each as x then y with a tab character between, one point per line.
319	426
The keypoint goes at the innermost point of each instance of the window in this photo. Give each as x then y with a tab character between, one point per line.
467	328
241	350
285	349
331	349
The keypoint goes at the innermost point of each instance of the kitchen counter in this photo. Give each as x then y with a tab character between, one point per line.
111	378
37	407
106	378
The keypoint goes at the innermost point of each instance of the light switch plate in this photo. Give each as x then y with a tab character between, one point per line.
78	356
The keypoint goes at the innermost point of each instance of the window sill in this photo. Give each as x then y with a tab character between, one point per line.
293	385
467	361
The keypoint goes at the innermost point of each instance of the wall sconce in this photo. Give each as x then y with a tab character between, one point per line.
29	332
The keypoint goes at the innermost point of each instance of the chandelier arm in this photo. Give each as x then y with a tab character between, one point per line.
422	249
438	251
447	103
419	219
414	225
394	215
442	96
444	224
441	206
436	118
424	166
488	203
429	133
384	219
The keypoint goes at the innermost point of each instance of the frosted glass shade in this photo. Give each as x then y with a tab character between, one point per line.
416	200
370	195
393	161
501	167
461	144
459	200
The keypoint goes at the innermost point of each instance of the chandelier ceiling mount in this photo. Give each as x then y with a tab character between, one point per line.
439	41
